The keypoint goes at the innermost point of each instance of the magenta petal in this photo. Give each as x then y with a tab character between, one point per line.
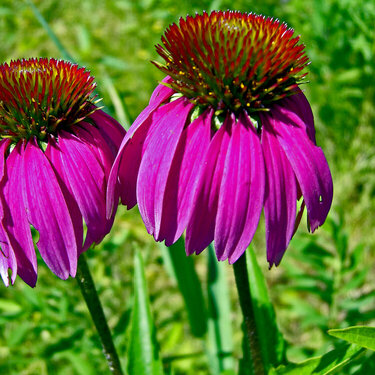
182	179
7	262
4	144
160	147
299	104
280	199
85	179
110	129
99	147
47	211
161	92
15	220
7	257
308	162
241	192
201	227
125	172
128	167
53	153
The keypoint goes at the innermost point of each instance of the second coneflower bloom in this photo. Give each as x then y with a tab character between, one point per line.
56	151
226	134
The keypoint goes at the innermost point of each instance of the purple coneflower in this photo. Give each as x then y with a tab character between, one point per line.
227	133
57	149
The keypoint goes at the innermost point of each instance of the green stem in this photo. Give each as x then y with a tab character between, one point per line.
244	294
91	297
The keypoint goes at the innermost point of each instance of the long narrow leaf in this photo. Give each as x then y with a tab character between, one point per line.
327	364
143	354
360	335
182	270
270	338
121	110
220	345
49	31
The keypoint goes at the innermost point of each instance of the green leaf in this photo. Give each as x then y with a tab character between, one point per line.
182	270
219	345
63	343
82	366
271	340
8	307
65	54
327	364
143	353
121	109
360	335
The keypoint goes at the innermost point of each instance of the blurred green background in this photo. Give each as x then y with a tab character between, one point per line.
325	280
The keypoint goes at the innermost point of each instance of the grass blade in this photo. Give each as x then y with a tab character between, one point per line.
270	338
65	54
143	354
181	267
327	364
360	335
220	345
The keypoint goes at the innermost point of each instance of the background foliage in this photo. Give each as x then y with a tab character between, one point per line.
325	280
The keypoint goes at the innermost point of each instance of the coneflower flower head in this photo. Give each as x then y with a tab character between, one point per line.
230	60
39	97
56	150
227	133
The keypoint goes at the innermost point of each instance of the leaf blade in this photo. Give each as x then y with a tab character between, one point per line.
220	343
327	364
143	354
271	340
181	268
359	335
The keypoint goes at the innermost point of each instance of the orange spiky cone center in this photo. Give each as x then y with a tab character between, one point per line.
230	60
38	97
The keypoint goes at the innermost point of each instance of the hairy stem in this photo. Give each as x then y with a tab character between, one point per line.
244	294
91	297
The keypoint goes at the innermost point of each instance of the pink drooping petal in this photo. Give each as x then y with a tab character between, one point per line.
308	162
8	262
4	145
85	179
110	129
241	193
7	257
280	197
53	153
15	222
299	104
182	178
161	91
105	157
160	147
126	165
47	211
201	226
99	147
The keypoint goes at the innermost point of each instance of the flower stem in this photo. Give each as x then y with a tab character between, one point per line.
91	297
244	294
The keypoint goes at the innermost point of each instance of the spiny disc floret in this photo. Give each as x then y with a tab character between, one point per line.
230	60
38	97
